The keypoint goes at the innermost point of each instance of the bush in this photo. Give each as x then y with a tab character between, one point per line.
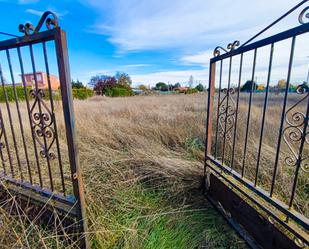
82	93
200	88
249	86
191	90
102	86
10	93
118	92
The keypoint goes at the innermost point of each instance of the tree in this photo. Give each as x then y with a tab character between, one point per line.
102	86
200	87
170	87
161	86
249	86
142	88
282	84
177	85
77	84
191	81
95	79
123	78
261	88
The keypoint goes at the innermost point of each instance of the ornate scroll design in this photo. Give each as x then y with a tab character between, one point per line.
28	28
226	115
303	14
230	47
293	133
2	144
42	124
217	51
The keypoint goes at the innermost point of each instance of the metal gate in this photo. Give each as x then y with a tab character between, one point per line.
38	151
257	140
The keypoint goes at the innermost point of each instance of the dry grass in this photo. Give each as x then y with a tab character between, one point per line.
285	173
142	162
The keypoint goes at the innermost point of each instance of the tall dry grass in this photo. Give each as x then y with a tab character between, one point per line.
285	175
142	160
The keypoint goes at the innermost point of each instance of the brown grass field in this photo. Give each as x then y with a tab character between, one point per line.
285	173
142	161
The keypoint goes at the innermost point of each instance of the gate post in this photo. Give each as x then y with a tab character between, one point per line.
67	103
211	93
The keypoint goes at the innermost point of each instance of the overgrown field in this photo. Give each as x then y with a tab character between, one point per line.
290	145
142	160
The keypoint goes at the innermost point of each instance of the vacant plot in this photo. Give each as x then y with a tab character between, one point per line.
142	161
291	137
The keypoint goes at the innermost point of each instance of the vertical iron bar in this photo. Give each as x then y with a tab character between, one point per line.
11	124
264	113
41	117
236	115
53	117
1	153
68	110
211	93
249	114
2	145
29	115
218	109
300	153
19	115
7	144
227	108
283	116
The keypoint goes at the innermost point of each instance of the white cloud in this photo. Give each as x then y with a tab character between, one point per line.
190	30
35	12
145	25
201	58
40	13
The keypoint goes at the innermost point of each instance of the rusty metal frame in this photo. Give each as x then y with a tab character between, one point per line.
71	207
223	183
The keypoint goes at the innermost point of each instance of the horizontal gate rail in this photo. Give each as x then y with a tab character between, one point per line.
267	41
48	35
229	122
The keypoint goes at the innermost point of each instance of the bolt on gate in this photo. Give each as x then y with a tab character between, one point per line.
38	151
257	142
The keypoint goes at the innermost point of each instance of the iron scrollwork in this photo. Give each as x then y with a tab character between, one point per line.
303	14
226	113
2	144
42	124
50	22
293	133
230	47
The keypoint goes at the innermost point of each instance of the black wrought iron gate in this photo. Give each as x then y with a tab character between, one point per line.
257	142
38	152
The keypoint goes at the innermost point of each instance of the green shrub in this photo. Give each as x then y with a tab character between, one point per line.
118	91
82	93
191	90
10	93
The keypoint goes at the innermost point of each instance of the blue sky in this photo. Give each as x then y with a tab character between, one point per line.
151	40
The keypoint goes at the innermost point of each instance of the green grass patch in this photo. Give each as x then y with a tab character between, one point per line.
141	218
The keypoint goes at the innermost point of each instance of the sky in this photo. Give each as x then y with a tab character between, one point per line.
157	40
